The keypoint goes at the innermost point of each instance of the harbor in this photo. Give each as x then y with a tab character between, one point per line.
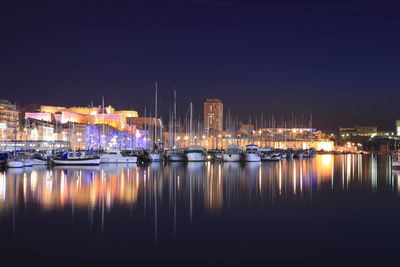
176	209
199	133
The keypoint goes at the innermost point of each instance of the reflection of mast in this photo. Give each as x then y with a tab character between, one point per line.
174	188
102	201
155	211
14	206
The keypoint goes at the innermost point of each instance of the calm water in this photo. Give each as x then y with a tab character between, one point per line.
330	210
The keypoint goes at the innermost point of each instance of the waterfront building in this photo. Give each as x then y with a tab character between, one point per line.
9	120
364	131
398	127
35	130
84	127
213	116
358	131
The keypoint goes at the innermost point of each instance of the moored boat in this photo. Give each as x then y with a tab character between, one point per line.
233	153
155	156
117	156
396	164
76	158
176	155
196	153
252	154
272	156
14	163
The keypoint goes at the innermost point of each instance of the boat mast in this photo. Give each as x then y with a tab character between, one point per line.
191	124
174	121
102	136
155	116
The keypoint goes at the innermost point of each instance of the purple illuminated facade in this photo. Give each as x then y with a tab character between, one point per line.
104	136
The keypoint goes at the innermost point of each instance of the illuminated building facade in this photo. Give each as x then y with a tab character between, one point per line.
9	120
398	127
84	127
364	131
36	130
213	116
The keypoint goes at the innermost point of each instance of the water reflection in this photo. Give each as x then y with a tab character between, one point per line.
191	186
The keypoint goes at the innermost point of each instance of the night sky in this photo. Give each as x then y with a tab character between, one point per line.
339	60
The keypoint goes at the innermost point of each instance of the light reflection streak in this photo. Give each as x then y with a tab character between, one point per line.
208	186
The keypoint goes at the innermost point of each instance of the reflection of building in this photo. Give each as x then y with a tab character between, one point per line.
213	115
8	120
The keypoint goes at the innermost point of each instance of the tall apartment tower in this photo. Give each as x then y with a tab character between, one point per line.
213	116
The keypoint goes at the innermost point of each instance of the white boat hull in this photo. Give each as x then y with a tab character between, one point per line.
36	162
93	161
15	164
396	164
155	157
27	162
232	157
106	159
176	157
195	156
251	157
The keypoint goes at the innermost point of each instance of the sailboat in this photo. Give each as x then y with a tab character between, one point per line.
175	154
155	154
77	158
194	152
17	161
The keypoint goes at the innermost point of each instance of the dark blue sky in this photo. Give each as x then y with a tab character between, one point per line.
339	60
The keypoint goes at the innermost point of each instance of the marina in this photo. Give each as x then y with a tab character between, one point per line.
177	208
199	133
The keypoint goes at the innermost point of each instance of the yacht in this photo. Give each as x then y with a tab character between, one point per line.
289	154
396	164
39	159
299	154
271	156
15	163
176	155
116	156
20	160
155	156
196	153
77	158
395	160
215	154
233	153
252	153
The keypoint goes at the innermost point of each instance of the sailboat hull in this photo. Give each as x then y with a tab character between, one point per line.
88	161
15	164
